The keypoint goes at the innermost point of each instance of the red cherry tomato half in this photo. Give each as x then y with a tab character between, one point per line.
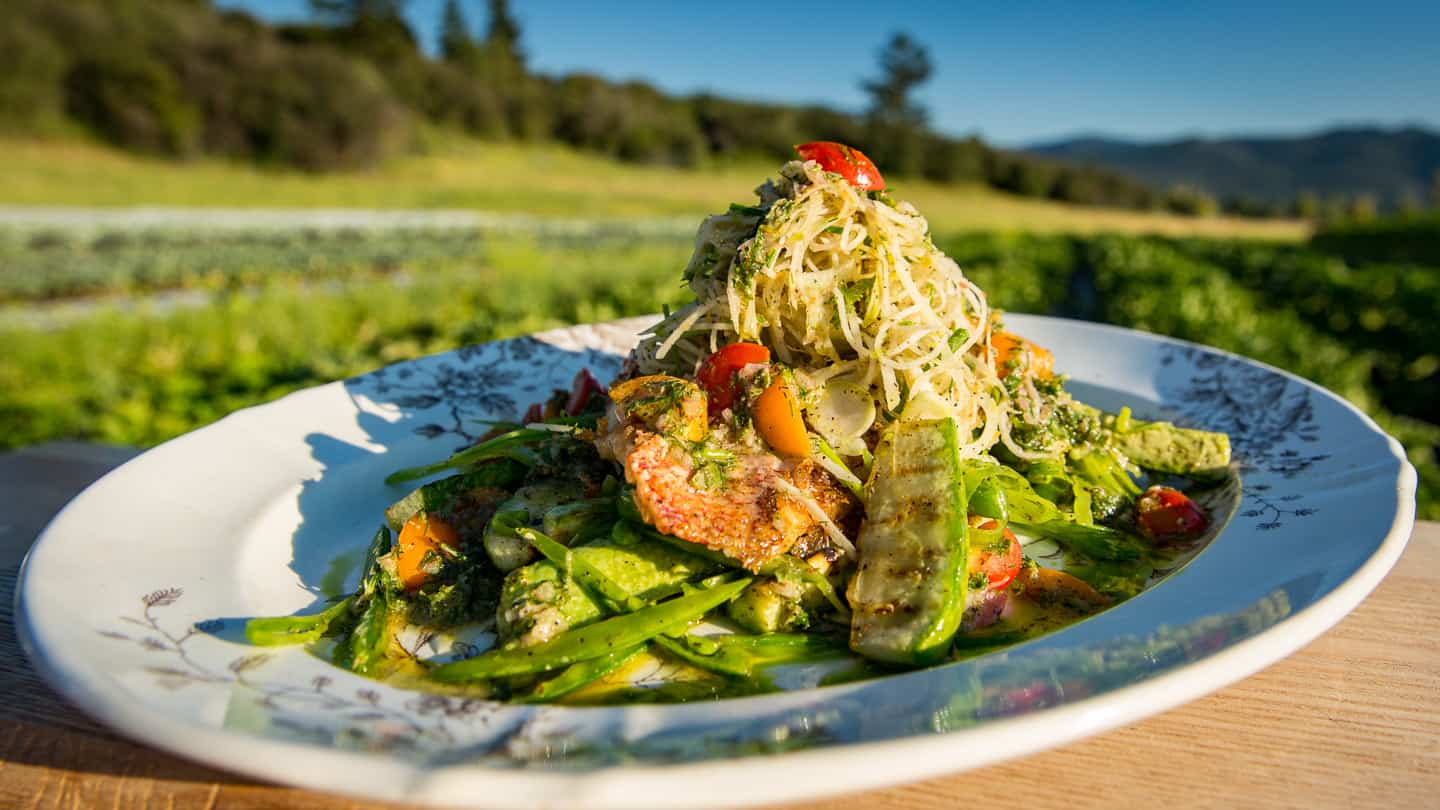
717	373
582	389
1167	514
846	161
1000	568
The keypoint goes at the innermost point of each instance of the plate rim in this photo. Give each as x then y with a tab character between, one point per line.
906	759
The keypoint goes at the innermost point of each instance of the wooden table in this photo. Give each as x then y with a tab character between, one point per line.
1351	721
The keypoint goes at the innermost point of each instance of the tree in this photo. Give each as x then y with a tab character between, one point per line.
895	135
1435	190
904	65
456	42
502	38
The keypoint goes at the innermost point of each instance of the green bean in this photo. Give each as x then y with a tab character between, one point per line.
594	640
580	674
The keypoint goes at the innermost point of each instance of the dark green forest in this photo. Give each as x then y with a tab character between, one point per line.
352	87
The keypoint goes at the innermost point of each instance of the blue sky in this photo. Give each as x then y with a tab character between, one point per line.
1014	72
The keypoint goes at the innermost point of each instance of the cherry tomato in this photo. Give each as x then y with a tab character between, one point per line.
420	536
1167	514
1000	568
717	373
846	161
778	420
582	389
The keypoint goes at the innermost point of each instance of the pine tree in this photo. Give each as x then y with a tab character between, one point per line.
456	42
904	65
502	38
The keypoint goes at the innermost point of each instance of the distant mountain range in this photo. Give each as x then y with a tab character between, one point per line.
1391	164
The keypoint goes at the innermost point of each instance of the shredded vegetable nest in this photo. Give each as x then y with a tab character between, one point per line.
847	288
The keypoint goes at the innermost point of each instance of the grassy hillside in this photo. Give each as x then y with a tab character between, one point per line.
542	180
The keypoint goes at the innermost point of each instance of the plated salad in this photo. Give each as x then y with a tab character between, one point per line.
834	463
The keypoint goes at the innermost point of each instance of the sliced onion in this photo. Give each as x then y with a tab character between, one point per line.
843	411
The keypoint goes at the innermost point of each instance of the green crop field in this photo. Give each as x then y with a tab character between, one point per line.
137	369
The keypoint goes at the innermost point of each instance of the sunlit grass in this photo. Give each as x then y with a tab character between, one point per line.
549	181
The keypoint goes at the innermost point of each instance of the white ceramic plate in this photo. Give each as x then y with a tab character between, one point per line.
132	601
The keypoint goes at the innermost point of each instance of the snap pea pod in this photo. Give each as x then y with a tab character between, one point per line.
273	631
592	641
1095	542
1049	480
787	566
731	663
611	596
740	655
538	601
784	648
573	523
364	650
1005	495
579	675
370	568
502	446
989	500
632	528
1167	448
1105	468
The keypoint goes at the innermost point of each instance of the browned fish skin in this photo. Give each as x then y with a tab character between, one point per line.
747	519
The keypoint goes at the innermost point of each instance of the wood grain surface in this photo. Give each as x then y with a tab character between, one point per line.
1352	720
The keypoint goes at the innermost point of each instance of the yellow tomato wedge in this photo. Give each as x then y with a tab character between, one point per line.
777	418
1013	353
420	536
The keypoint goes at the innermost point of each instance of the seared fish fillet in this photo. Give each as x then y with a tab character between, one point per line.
748	515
